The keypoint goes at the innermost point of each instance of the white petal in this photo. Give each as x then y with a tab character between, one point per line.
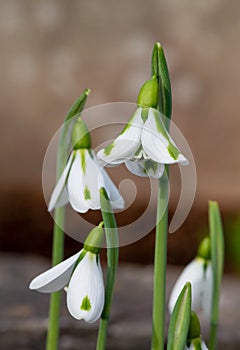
204	346
58	197
75	184
193	273
140	168
208	288
115	197
86	282
156	142
92	181
126	144
55	278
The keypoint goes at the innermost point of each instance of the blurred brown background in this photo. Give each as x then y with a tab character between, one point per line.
50	52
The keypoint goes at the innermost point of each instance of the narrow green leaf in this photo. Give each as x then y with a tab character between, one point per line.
78	105
180	320
165	84
65	138
217	256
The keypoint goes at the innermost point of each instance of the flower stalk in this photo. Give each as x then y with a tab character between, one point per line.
58	234
160	70
111	233
217	253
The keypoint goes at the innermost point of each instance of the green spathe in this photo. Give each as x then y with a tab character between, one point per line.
80	135
194	328
93	242
148	94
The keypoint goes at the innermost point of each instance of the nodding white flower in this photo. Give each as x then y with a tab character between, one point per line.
199	273
82	177
84	282
144	145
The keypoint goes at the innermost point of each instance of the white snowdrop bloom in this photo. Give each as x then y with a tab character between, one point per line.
80	183
83	177
82	275
199	273
144	145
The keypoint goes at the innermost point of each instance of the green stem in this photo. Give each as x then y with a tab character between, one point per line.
160	69
111	232
217	257
58	233
160	261
55	299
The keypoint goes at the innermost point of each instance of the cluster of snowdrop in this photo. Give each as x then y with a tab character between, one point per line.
145	146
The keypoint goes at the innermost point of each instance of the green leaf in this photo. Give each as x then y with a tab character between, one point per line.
160	69
217	256
65	138
180	320
155	70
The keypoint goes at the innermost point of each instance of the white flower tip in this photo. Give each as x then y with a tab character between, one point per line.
50	207
36	284
183	160
118	204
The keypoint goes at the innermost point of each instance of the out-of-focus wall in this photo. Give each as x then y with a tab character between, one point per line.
52	50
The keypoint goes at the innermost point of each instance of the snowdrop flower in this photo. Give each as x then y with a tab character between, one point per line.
82	276
199	273
83	176
144	145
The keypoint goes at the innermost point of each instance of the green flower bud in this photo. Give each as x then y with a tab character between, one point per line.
80	135
194	327
204	249
148	94
93	242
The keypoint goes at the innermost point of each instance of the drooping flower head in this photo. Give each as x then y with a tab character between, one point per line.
144	145
83	176
199	273
81	276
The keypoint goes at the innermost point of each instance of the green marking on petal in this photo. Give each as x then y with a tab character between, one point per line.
108	149
144	114
126	127
83	160
149	164
129	124
86	305
173	151
160	126
87	193
138	151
